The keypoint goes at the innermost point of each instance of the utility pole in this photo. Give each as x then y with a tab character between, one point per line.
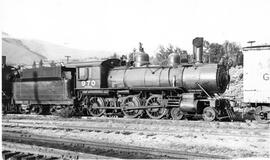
67	58
251	42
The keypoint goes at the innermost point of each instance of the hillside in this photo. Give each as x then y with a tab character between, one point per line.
26	51
18	53
56	52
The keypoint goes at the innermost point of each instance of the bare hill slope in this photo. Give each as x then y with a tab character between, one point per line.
56	52
18	53
26	51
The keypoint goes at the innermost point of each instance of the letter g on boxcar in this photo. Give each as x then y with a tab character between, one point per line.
266	76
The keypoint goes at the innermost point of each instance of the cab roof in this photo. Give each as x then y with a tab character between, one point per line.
105	63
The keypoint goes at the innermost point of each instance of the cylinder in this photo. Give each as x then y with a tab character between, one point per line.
188	103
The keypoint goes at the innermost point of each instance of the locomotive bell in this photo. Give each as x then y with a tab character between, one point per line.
174	59
141	58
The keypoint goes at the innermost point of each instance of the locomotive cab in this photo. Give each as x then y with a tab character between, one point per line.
92	76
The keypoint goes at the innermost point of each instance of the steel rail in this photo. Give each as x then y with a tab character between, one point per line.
25	150
229	132
89	146
204	124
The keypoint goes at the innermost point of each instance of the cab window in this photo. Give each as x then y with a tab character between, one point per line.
94	73
83	73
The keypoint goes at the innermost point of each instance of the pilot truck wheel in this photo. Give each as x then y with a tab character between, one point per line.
209	114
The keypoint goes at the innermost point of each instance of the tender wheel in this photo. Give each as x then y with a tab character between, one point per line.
62	111
177	114
56	110
262	114
131	101
209	114
36	109
21	109
93	106
155	113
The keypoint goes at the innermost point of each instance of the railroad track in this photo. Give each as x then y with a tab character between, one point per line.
8	154
107	149
198	123
147	129
19	151
40	124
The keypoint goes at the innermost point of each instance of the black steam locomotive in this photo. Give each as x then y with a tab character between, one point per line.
115	87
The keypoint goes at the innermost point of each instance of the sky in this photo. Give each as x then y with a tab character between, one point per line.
119	25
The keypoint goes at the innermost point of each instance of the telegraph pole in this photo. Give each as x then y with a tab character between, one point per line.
251	42
67	58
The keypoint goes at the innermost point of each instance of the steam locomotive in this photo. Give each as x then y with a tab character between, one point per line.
133	89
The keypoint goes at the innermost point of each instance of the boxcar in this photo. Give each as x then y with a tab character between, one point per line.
257	80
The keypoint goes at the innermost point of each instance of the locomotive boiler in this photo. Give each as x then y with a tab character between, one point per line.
212	77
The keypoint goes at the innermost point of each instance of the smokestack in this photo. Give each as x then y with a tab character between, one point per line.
3	60
198	49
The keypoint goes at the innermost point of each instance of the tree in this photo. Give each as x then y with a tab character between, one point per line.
233	52
216	51
131	55
41	63
206	53
34	64
164	52
53	64
213	51
231	48
115	55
